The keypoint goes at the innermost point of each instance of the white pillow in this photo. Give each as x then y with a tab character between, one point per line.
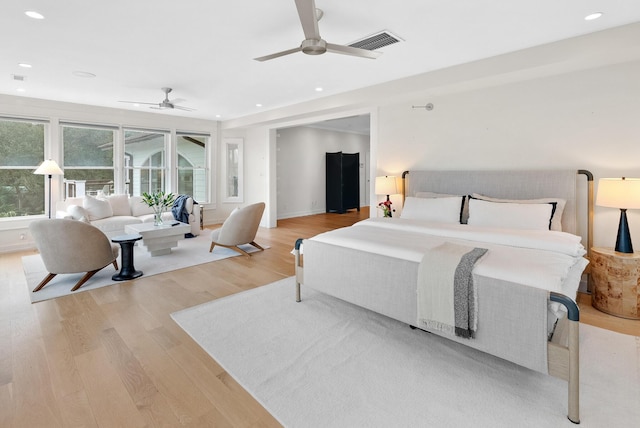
119	204
509	215
442	210
76	212
96	208
556	220
138	207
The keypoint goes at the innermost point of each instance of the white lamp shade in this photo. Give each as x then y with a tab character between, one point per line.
386	185
49	167
621	193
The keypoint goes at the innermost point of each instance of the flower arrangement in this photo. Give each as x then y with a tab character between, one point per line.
159	201
385	206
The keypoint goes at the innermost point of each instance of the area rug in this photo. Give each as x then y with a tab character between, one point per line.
189	252
326	363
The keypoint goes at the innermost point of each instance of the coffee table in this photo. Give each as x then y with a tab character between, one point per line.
159	240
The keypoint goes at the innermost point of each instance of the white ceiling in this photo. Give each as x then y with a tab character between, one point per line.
204	49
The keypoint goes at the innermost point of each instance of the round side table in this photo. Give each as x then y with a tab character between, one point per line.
616	277
128	271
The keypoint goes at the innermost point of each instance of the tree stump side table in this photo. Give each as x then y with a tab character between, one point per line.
615	282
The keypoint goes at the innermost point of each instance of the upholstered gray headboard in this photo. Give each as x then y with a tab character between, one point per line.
525	184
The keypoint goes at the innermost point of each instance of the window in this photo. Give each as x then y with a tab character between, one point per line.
191	165
88	159
21	151
232	170
145	161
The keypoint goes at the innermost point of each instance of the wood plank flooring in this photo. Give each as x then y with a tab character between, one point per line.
113	357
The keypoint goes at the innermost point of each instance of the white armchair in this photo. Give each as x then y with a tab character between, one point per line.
239	228
69	246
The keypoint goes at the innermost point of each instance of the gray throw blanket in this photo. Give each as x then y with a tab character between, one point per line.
446	293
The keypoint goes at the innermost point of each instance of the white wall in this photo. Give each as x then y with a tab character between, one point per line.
579	120
570	104
300	171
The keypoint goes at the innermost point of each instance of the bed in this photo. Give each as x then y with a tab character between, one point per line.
525	281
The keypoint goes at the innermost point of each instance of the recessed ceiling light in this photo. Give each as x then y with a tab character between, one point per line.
83	74
258	105
319	89
20	90
593	16
218	115
24	65
33	14
136	105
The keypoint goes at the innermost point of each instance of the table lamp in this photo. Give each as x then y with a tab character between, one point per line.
50	168
386	185
622	193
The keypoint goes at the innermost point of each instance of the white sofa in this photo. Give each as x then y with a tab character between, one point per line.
113	213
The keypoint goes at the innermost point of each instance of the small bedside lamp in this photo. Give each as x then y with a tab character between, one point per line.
623	193
386	185
49	167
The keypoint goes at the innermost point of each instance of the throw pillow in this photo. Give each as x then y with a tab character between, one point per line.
441	210
76	212
119	204
96	208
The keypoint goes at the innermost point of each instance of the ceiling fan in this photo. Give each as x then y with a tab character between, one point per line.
164	104
313	44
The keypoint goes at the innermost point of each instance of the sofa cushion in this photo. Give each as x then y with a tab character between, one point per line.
96	208
138	207
120	204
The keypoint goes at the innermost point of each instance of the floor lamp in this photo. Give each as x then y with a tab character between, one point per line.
50	168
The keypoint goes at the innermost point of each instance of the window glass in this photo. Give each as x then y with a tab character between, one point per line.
145	161
232	169
192	173
21	151
88	160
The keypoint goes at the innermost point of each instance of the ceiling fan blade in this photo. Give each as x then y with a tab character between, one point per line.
279	54
178	101
183	108
348	50
138	102
308	18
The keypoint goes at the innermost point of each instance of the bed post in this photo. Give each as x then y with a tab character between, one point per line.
298	267
404	186
568	357
590	204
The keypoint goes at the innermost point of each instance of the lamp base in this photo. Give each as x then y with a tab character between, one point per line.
623	241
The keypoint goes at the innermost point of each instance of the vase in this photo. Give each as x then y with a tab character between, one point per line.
157	217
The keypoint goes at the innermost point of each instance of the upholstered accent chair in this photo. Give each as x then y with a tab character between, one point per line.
239	228
72	246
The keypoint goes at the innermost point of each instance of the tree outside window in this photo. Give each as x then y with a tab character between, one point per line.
21	151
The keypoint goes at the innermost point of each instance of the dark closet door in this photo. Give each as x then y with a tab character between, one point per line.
342	182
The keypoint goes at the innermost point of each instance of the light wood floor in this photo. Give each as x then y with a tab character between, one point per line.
113	357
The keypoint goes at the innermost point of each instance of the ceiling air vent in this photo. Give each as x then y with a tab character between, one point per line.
376	41
18	77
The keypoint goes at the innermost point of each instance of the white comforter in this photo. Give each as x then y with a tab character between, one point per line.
541	259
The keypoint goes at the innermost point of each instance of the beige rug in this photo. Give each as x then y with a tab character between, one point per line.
326	363
190	252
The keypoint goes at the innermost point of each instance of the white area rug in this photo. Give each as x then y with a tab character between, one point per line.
326	363
189	252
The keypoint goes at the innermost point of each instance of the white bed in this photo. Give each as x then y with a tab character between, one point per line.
527	280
